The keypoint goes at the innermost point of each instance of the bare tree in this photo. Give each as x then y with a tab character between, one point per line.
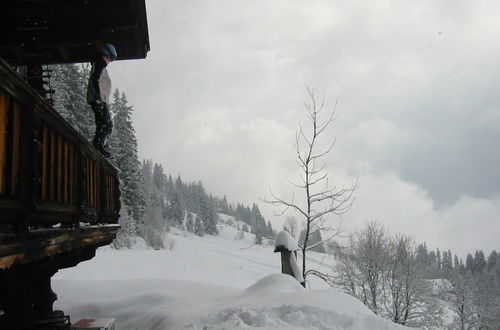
291	226
369	249
408	297
320	200
461	300
385	274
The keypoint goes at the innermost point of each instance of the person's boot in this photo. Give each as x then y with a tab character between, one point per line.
104	152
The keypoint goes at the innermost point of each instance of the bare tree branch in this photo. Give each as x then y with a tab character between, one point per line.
320	201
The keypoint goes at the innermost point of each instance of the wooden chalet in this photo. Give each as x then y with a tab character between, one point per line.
59	198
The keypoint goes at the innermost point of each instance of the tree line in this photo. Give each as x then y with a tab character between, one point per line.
405	282
152	201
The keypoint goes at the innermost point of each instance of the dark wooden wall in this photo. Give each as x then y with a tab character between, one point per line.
49	174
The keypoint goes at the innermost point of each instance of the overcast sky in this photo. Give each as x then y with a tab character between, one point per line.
222	91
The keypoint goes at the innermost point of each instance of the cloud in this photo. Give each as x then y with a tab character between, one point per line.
221	93
403	207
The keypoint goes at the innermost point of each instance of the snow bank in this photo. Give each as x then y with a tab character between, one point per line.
275	302
276	283
210	282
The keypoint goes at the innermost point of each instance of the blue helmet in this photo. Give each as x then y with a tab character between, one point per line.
109	50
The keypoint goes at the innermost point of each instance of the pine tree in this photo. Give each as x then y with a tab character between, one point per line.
492	260
315	242
447	262
176	211
124	150
258	223
160	191
439	260
198	226
70	85
469	263
269	230
423	254
456	263
154	222
258	236
479	261
128	231
190	222
433	263
159	178
224	207
209	216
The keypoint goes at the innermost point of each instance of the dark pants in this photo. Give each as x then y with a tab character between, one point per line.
103	125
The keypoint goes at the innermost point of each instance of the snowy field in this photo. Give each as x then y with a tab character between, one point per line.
205	283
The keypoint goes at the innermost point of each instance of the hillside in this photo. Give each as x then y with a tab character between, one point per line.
210	282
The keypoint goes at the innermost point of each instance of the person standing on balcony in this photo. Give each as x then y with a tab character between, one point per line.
98	95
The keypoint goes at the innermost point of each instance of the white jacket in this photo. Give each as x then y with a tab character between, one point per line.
99	86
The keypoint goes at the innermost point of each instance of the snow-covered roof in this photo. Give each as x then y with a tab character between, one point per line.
285	241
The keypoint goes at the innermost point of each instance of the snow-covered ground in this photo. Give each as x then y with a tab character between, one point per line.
212	282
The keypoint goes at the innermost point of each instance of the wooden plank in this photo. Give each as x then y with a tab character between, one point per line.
108	190
96	187
71	174
97	190
16	134
99	185
59	168
66	172
91	192
50	243
91	181
4	108
105	191
45	163
52	165
109	193
87	182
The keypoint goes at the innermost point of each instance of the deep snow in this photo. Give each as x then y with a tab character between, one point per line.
205	283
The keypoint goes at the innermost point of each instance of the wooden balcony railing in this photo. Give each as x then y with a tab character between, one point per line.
49	174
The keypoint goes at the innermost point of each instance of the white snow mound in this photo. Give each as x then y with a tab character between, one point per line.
275	302
275	283
210	282
287	241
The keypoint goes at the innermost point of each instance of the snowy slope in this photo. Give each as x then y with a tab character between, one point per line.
205	283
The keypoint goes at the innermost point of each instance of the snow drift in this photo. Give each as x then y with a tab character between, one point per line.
204	283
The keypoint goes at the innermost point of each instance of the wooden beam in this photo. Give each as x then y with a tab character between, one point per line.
16	135
66	172
59	168
4	108
34	246
52	185
72	181
45	162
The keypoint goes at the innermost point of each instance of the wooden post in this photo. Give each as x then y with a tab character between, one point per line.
286	267
287	246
